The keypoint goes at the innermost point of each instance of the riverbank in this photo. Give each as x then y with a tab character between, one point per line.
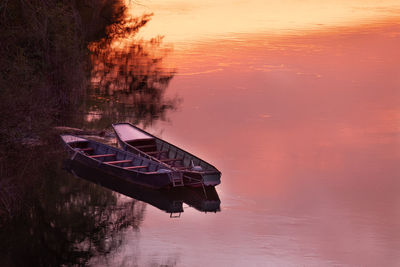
59	67
45	68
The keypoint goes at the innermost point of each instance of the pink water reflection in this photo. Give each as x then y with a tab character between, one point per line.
306	131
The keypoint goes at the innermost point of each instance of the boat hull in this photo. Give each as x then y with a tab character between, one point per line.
154	180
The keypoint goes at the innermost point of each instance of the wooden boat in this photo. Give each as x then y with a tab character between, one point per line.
196	172
113	161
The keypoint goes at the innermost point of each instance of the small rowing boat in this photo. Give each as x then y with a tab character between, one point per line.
195	171
113	161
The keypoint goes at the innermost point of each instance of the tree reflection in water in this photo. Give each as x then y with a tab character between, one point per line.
62	220
66	220
128	80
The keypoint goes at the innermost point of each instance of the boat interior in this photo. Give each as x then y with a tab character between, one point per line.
113	156
169	154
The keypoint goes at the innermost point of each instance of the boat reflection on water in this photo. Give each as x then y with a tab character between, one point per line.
170	201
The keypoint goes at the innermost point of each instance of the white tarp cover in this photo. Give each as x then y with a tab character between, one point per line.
127	132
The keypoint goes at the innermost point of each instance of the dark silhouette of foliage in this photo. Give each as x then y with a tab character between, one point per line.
52	52
128	81
66	220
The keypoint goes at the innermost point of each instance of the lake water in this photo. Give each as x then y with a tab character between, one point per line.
298	105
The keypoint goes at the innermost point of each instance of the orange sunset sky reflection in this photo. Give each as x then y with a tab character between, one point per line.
297	103
198	20
309	102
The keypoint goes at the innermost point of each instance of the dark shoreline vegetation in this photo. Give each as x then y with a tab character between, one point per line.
58	69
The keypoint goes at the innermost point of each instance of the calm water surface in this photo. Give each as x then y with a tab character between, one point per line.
298	105
303	120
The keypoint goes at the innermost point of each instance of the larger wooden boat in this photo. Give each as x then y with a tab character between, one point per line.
113	161
196	172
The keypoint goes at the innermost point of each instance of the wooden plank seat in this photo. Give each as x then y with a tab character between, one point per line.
156	152
136	167
102	155
85	149
170	160
118	161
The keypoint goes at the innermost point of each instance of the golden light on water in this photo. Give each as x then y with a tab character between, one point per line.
197	20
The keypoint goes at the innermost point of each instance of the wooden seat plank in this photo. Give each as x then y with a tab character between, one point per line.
135	167
86	149
156	152
118	161
102	155
169	160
